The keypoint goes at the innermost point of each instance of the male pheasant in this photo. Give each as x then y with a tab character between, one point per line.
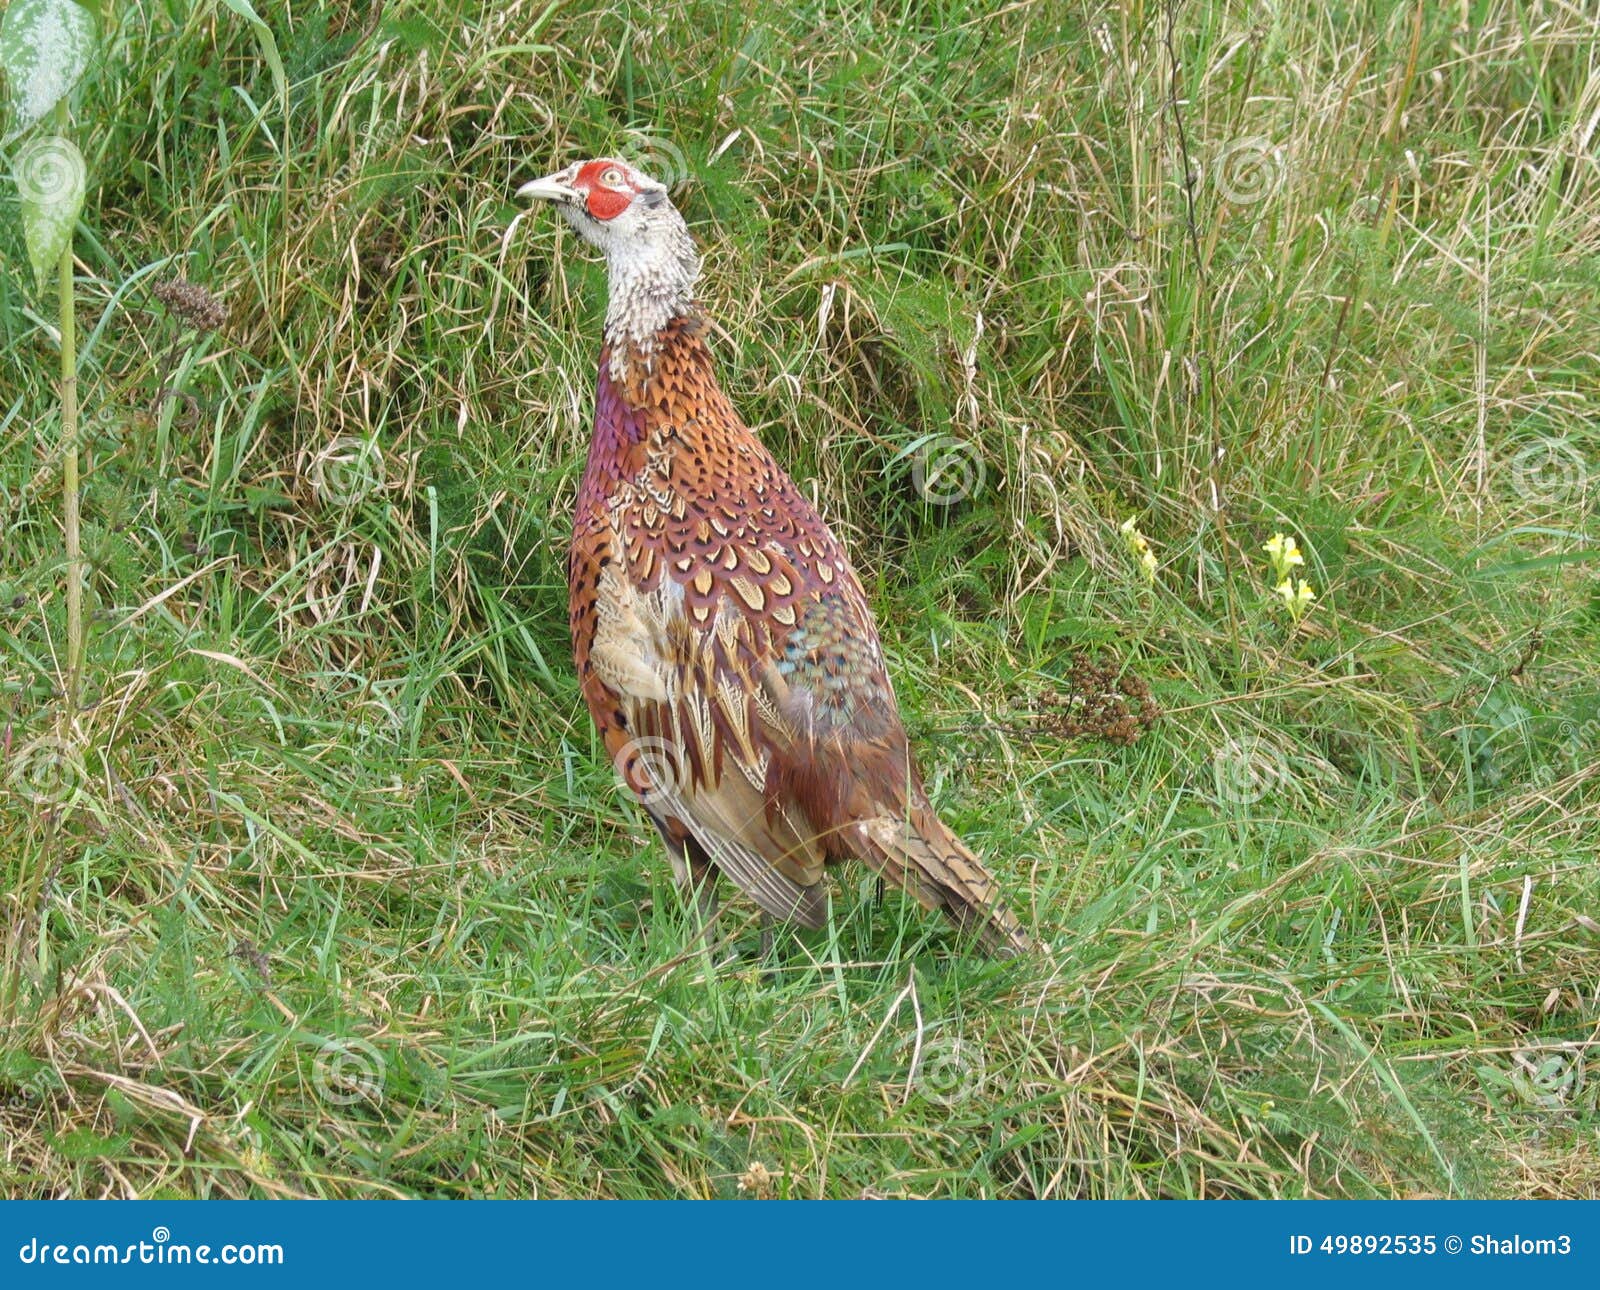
725	647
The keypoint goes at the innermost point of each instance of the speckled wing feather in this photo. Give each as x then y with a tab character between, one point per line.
730	660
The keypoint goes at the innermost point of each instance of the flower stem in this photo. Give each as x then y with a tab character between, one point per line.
69	466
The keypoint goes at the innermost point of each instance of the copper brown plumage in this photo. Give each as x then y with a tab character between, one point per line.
724	644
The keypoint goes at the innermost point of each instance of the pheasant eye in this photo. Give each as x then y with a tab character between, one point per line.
612	178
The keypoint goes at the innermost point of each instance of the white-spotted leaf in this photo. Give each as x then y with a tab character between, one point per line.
45	48
49	175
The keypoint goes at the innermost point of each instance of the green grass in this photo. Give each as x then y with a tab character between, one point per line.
345	900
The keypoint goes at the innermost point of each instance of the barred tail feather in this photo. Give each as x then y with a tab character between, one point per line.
923	856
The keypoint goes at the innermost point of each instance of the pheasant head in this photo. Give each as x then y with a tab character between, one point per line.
651	258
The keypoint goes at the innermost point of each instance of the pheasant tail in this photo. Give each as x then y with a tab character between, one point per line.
922	855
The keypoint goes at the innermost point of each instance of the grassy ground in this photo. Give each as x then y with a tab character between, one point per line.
328	889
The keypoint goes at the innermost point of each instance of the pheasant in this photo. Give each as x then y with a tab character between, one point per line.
725	647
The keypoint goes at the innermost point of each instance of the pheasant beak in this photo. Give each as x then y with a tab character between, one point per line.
552	188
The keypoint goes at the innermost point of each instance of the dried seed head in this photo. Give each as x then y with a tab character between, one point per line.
192	303
1100	703
759	1181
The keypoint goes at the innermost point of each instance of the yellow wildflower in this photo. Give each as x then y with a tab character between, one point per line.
1296	599
1139	546
1284	554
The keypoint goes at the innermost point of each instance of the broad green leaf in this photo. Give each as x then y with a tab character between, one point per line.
269	48
49	175
18	1068
45	47
85	1144
1535	562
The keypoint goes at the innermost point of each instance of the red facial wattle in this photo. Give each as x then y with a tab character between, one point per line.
606	203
